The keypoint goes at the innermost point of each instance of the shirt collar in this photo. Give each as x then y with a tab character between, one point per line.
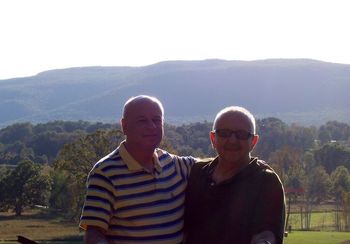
131	162
212	165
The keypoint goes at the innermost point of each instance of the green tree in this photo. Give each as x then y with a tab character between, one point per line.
340	186
26	186
332	155
75	161
4	172
272	136
334	130
317	189
61	196
295	182
283	158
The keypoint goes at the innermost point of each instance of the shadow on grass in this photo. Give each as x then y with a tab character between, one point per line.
64	240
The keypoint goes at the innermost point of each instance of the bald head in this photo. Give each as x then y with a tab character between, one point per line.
239	111
140	99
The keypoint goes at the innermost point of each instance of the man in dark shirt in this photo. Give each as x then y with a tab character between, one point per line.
234	198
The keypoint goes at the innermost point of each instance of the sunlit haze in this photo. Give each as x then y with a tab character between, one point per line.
40	35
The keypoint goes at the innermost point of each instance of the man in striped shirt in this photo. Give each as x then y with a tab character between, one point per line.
136	193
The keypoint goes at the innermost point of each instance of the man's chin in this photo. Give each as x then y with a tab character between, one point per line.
152	145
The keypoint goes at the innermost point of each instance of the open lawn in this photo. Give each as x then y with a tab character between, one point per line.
324	221
316	237
37	226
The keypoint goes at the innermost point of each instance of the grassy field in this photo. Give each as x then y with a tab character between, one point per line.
319	221
316	237
36	226
43	227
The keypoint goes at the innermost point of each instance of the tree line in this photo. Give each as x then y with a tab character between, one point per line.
47	164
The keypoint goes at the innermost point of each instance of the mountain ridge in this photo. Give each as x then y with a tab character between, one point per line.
303	91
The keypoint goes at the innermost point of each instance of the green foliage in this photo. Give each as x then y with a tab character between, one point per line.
192	139
25	186
318	185
270	130
41	143
73	164
16	132
301	156
334	130
296	177
340	179
332	155
61	195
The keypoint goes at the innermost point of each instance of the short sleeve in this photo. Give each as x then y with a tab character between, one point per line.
185	164
98	205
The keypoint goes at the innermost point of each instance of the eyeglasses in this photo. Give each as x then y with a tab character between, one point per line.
239	134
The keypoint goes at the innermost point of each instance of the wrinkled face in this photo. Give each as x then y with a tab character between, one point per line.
232	149
143	125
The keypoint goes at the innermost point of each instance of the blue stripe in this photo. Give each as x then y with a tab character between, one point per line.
100	189
101	177
154	203
138	173
96	209
147	193
188	167
154	215
147	227
114	167
145	238
147	182
181	165
166	155
97	199
113	156
128	175
131	175
169	165
94	218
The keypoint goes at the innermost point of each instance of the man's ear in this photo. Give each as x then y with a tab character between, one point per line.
212	139
255	140
123	125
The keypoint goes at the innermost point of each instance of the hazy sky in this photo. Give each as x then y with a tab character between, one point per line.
38	35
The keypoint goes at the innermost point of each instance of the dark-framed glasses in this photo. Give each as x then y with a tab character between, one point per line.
239	134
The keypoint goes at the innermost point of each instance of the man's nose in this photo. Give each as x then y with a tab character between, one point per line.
233	137
151	124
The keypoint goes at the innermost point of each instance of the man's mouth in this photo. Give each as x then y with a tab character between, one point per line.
232	148
151	135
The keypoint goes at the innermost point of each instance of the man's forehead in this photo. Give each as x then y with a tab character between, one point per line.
234	118
143	107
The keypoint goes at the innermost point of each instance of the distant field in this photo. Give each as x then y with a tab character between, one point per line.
36	226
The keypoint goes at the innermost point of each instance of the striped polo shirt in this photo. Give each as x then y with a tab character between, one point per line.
136	206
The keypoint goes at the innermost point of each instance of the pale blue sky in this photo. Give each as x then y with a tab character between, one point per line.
39	35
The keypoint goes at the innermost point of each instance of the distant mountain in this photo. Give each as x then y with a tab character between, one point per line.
294	90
